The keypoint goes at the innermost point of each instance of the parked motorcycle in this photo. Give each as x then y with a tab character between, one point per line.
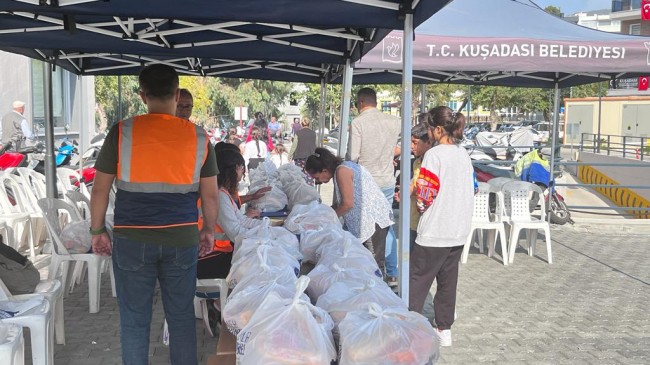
67	155
533	168
20	158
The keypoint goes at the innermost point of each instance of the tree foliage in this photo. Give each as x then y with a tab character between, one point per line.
106	94
554	10
215	99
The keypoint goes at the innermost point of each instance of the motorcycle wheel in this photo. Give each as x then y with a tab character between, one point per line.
559	211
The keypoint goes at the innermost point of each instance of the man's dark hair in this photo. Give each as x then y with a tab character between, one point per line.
158	81
367	96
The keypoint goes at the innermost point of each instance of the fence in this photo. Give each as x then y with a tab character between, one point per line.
626	196
615	145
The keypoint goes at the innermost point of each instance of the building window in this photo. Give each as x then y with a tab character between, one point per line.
452	105
38	96
635	29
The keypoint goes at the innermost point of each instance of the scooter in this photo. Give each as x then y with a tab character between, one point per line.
68	156
10	159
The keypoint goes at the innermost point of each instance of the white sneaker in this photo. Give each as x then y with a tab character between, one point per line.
444	337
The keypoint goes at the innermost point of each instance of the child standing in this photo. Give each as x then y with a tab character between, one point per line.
445	197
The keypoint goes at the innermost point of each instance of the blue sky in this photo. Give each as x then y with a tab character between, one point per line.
569	7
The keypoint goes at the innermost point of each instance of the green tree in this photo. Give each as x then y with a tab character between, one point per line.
554	10
588	90
107	99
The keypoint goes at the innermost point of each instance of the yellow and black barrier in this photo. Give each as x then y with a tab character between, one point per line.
621	196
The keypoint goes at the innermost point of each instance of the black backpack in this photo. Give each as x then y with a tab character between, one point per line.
17	273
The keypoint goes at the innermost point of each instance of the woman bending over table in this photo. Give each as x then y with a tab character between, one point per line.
358	199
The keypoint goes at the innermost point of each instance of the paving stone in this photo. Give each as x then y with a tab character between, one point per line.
589	306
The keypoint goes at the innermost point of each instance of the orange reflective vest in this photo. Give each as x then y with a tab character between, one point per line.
159	166
221	241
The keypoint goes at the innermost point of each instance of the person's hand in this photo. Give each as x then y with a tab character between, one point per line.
421	207
206	242
102	245
252	213
260	193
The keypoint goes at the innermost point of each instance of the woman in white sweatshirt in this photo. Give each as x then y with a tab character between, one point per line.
445	198
230	221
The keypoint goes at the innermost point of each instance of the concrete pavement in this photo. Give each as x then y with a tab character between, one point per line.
589	306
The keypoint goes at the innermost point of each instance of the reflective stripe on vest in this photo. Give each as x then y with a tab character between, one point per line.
125	181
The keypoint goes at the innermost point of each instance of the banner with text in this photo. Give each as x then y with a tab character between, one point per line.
437	53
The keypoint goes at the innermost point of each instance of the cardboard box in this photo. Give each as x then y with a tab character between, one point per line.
225	349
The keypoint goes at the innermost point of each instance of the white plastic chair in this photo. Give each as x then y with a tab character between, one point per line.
482	219
80	202
38	319
65	177
35	180
27	202
61	256
52	290
12	345
19	223
519	193
210	289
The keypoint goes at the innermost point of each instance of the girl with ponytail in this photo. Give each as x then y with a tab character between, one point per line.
445	199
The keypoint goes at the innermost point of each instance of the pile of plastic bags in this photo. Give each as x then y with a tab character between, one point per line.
355	311
288	187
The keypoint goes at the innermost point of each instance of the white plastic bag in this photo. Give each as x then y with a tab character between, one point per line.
263	260
311	241
287	332
347	296
242	303
264	171
265	230
273	201
323	276
309	217
76	237
295	186
349	247
376	336
249	245
299	193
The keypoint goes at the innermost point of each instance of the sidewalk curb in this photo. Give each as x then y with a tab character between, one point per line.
618	226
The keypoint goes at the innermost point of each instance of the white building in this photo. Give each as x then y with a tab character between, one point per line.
21	78
596	19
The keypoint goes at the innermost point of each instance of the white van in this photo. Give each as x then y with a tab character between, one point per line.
545	129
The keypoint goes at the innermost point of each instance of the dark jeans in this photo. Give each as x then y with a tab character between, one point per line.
378	244
137	266
441	264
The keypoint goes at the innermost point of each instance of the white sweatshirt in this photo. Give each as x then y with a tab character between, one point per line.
231	219
446	184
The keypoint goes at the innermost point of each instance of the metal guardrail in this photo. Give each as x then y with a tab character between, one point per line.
616	145
619	146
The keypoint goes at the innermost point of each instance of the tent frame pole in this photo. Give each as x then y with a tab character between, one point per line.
554	142
321	111
600	109
403	248
50	164
345	108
